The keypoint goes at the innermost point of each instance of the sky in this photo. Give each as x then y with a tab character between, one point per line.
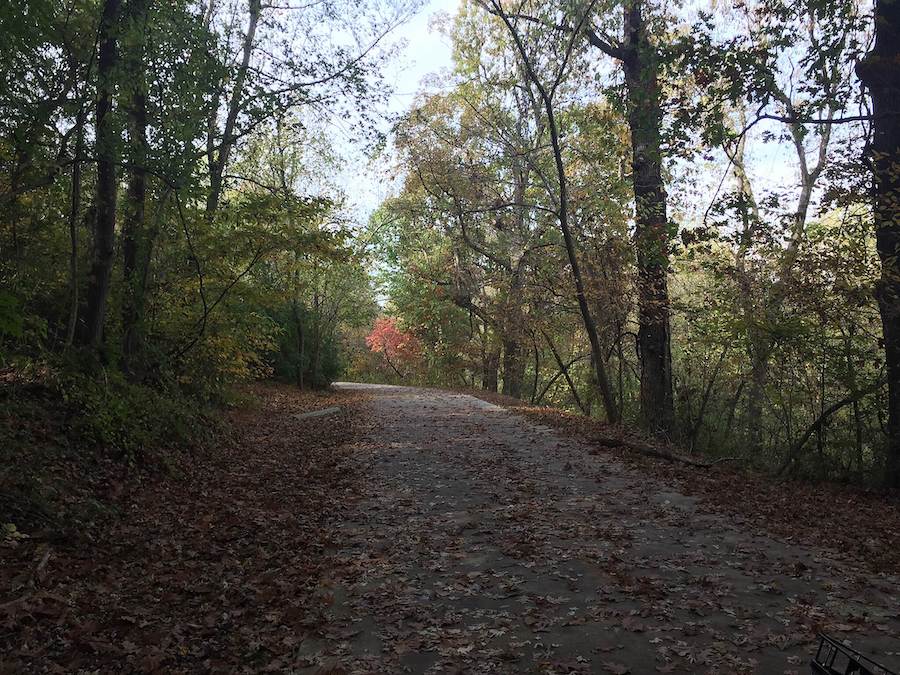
426	52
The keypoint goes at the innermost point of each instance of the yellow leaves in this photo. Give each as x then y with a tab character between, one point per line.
10	535
234	349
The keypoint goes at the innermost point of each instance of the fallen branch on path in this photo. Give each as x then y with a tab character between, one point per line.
657	451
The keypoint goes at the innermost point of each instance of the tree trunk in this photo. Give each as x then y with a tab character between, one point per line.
880	72
218	161
316	356
651	224
495	7
105	202
134	231
298	323
74	210
512	322
760	353
513	367
489	366
752	302
613	414
762	343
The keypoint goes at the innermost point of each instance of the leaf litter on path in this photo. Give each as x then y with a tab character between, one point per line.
420	531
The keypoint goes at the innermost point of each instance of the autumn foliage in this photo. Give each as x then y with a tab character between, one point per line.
400	349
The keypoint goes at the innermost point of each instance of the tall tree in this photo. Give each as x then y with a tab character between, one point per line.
639	58
880	72
652	233
546	91
107	151
748	72
134	236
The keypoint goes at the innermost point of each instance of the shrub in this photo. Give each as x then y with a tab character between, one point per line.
128	419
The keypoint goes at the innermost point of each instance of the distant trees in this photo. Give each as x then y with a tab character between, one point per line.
730	296
399	349
451	143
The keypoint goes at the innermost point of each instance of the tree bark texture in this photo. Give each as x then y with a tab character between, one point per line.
106	151
134	230
651	223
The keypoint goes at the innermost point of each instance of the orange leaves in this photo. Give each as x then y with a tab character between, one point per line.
387	338
399	348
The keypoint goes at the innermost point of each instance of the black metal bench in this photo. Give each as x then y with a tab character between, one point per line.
834	658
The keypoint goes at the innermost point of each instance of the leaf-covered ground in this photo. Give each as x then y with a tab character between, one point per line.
863	527
214	568
423	531
485	543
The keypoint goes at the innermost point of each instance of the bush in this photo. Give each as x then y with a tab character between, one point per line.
112	414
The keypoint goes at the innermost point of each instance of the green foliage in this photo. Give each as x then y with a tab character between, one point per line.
226	211
304	357
12	323
127	419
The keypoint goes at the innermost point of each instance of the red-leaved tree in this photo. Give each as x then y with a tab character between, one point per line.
398	348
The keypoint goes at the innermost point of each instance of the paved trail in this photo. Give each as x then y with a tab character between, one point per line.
482	543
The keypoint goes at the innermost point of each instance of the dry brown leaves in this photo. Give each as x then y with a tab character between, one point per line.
214	569
861	526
